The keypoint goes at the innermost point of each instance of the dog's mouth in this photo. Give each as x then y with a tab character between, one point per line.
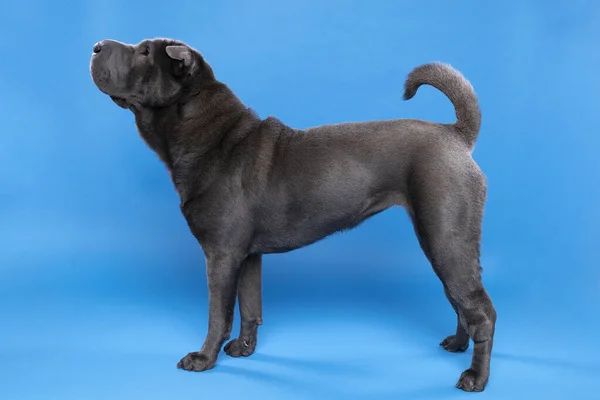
103	79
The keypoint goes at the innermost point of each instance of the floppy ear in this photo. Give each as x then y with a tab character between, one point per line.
183	54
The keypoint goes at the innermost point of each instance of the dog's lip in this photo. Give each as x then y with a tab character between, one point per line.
99	80
118	98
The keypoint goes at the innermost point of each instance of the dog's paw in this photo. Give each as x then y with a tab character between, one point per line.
453	345
240	347
196	362
471	381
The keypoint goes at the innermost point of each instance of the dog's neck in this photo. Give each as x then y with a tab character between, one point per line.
193	136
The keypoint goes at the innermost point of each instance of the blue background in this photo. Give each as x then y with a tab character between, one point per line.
103	289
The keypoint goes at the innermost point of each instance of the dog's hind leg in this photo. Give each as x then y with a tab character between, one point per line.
447	211
458	342
250	302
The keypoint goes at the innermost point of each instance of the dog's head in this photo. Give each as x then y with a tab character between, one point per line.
152	73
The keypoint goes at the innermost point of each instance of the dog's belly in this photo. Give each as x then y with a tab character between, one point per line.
307	225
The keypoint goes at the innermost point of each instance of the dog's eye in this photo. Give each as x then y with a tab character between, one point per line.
145	51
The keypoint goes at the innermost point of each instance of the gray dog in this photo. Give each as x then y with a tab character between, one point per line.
251	186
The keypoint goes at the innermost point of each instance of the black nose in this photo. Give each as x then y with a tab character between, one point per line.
97	47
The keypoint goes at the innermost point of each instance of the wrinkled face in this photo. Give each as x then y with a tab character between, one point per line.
152	73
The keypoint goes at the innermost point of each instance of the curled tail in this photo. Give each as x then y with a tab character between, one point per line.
460	92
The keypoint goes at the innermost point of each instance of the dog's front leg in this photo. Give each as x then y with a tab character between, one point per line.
250	301
222	271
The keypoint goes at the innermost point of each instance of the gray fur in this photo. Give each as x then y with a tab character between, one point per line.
460	92
251	186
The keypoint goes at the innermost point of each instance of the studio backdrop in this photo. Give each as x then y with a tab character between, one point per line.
103	288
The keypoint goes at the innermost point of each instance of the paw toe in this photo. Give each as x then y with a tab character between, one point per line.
240	348
471	381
